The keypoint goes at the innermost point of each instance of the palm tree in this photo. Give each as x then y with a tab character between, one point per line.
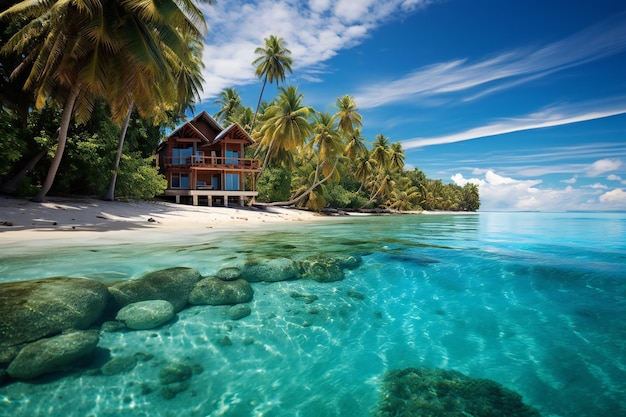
349	118
230	101
271	64
242	116
364	168
325	148
286	125
78	51
186	69
396	156
380	152
355	145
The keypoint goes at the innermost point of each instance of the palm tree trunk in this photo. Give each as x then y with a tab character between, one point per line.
10	186
110	195
266	160
56	161
307	191
257	106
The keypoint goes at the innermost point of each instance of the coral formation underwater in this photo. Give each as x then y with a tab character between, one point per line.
442	393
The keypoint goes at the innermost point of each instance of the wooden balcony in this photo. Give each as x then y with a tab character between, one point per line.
217	162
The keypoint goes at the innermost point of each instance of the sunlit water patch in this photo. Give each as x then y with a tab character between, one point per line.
533	301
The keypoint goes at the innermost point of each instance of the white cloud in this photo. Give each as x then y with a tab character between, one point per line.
508	68
313	31
615	199
500	193
555	116
614	177
602	166
597	186
571	180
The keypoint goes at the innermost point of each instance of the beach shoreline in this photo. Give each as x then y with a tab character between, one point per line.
78	218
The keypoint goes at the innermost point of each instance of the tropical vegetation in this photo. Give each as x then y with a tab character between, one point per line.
90	87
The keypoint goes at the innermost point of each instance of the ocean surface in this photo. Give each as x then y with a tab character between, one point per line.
533	301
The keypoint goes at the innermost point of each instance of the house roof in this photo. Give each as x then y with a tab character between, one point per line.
234	129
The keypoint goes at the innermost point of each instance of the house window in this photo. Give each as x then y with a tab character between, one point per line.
232	182
181	156
180	181
232	157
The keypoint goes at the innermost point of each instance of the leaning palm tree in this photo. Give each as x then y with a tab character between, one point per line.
271	64
355	145
229	102
325	150
365	165
78	51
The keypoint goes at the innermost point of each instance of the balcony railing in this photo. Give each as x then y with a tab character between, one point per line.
212	162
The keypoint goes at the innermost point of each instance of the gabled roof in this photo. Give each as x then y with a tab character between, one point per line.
203	115
237	132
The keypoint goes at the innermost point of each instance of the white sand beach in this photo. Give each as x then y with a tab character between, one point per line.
81	218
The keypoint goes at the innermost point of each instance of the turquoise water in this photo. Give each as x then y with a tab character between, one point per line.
534	301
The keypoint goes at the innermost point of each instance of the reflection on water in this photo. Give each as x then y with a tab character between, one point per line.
532	301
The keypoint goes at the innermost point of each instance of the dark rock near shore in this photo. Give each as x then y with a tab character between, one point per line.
172	284
349	261
146	314
270	270
214	291
52	354
229	274
31	310
321	269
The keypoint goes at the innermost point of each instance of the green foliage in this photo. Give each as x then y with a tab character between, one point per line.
138	178
274	184
441	393
87	166
338	196
12	146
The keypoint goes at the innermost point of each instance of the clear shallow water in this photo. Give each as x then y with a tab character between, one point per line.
534	301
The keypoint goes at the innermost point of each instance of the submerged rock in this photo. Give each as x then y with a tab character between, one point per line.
356	295
349	261
172	284
270	270
52	354
306	298
321	269
146	314
31	310
119	364
175	372
239	311
437	392
214	291
229	274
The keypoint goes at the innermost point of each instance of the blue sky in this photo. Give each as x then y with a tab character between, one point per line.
527	99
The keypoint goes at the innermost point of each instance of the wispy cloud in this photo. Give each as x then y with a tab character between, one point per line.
506	70
555	116
314	32
603	166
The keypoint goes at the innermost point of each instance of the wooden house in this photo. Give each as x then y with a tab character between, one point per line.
204	163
